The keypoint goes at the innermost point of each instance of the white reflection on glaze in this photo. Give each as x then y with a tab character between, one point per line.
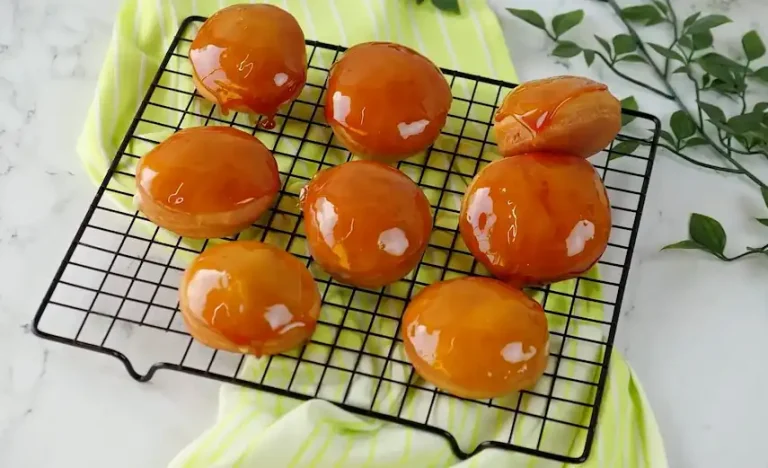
218	309
247	200
202	283
410	129
582	232
290	327
481	206
424	343
326	217
342	105
512	231
175	198
146	177
207	63
278	315
513	352
281	79
393	241
245	64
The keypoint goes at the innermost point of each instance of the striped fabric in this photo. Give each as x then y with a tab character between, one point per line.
260	429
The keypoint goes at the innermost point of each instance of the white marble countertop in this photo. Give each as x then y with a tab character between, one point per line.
693	328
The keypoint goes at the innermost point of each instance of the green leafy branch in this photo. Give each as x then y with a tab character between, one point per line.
567	49
690	52
707	234
689	47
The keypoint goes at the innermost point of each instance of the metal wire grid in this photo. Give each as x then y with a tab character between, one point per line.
115	291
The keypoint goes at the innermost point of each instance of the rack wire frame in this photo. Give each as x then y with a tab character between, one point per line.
74	301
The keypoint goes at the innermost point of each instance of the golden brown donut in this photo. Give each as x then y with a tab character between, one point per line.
536	218
569	114
206	182
367	223
476	337
249	58
385	101
249	297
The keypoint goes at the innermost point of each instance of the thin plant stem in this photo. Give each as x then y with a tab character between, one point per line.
699	163
673	20
611	65
760	250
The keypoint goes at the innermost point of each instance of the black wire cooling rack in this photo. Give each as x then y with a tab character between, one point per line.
115	291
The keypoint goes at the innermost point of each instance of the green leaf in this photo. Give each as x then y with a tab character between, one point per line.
727	88
566	49
686	42
623	148
632	58
665	52
682	125
695	141
685	244
760	107
707	232
763	221
666	136
451	6
708	22
605	45
628	102
712	111
764	191
530	17
690	20
661	6
714	67
762	73
753	45
724	61
644	14
745	122
624	44
562	23
722	126
680	69
702	40
589	56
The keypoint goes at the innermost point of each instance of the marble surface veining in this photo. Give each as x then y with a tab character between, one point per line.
692	328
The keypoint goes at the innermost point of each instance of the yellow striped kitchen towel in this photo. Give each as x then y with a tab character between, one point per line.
258	429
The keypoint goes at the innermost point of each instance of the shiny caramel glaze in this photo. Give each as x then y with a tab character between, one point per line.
367	223
563	114
476	337
249	58
206	182
536	218
249	297
385	101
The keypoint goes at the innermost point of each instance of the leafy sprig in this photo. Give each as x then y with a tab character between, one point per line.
707	235
451	6
690	52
